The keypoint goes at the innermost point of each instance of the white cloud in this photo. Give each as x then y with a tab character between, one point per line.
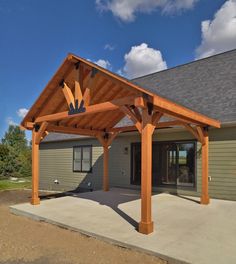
142	60
22	112
219	34
11	122
126	10
109	47
103	63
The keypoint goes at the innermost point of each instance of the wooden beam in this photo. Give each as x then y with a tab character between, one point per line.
72	130
192	131
133	128
123	129
44	135
35	170
146	223
132	116
137	113
200	134
41	131
205	160
182	112
98	108
156	118
29	125
68	95
78	93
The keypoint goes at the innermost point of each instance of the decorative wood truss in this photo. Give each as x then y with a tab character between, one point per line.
83	98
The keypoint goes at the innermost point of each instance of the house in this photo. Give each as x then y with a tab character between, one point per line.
186	102
207	86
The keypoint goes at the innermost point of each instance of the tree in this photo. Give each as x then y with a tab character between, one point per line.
15	138
15	154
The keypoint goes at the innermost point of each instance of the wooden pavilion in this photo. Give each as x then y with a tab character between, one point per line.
83	98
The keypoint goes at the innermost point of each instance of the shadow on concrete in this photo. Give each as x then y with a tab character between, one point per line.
112	199
188	198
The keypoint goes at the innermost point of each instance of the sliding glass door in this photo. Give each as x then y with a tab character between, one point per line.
173	164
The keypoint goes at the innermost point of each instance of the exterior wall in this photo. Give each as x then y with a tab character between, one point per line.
57	159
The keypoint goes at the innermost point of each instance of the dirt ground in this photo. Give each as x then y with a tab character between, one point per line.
26	241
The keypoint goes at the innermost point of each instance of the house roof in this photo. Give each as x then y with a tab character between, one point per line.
207	86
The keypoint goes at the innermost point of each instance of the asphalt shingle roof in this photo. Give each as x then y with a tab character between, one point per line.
207	86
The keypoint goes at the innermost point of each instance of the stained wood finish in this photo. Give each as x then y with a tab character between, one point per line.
71	130
205	152
193	131
40	133
92	109
132	116
68	95
35	170
108	98
106	141
146	223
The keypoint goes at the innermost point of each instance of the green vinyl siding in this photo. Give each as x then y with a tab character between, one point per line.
56	162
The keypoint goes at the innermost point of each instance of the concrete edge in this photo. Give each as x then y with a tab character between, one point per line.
118	243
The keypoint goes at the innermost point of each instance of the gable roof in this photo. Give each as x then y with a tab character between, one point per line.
207	86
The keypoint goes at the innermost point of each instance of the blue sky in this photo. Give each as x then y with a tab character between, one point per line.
36	35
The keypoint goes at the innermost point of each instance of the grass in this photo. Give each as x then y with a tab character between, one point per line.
8	185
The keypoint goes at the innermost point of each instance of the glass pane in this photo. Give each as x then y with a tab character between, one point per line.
85	165
77	153
86	153
182	157
186	164
77	165
168	164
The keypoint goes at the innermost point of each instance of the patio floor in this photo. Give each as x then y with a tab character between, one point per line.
184	230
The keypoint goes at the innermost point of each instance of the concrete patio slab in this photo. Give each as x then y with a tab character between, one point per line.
185	231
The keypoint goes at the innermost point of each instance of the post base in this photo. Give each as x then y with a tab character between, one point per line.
205	200
145	228
105	189
35	201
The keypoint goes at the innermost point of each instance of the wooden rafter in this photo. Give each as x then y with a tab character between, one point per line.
115	120
94	78
79	84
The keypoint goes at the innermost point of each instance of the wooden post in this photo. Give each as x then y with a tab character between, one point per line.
205	148
105	168
146	224
35	169
106	141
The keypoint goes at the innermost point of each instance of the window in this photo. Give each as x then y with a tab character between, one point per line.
82	159
173	163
